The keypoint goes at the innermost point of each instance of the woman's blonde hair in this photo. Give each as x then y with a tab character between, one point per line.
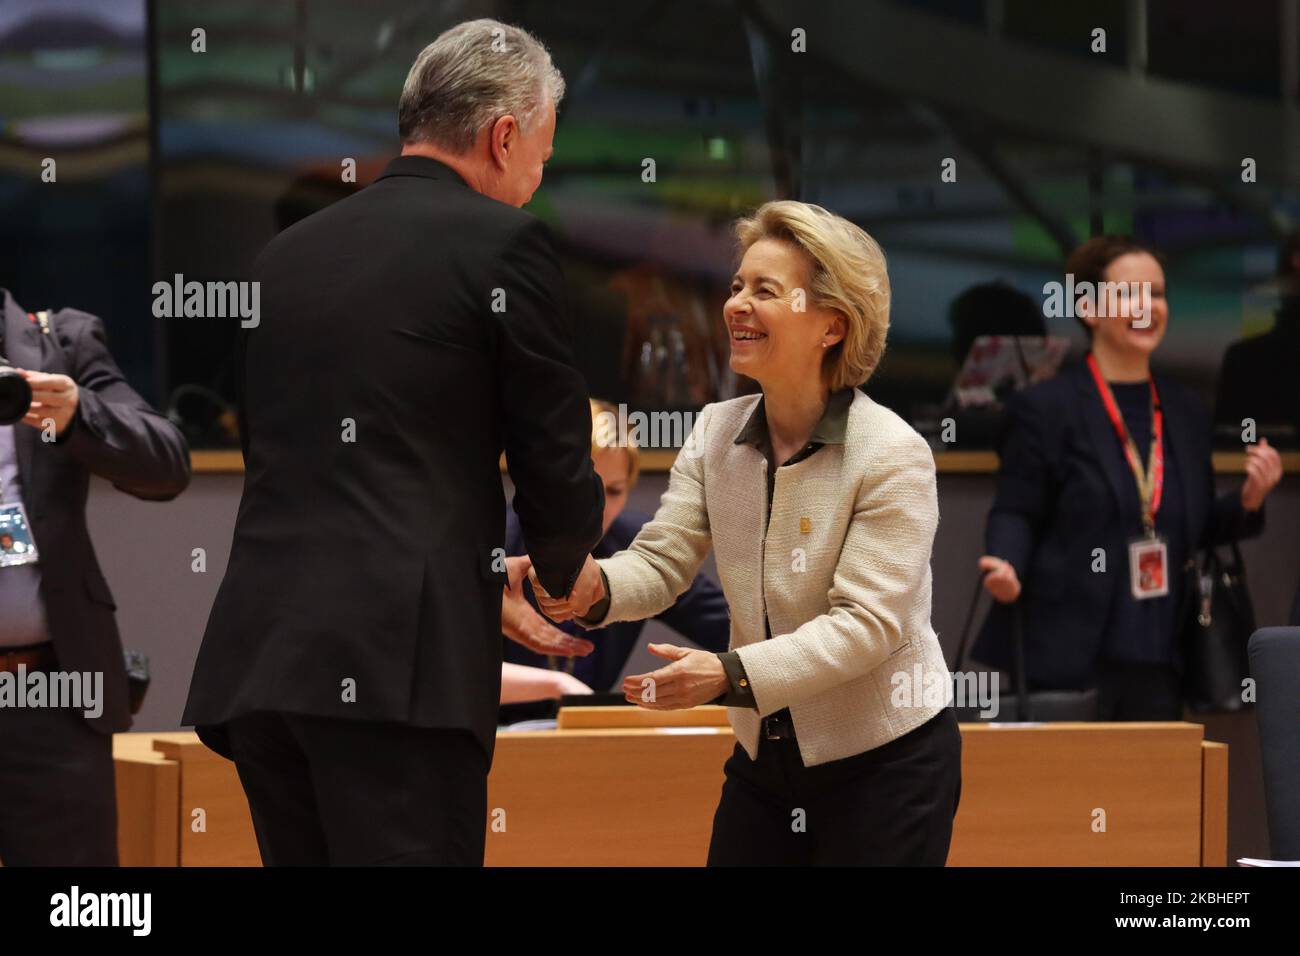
849	277
604	434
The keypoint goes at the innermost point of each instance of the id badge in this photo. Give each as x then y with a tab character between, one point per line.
16	544
1148	567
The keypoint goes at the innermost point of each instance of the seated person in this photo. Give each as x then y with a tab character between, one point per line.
700	614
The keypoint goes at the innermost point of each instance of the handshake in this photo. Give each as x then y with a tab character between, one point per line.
525	626
588	591
692	676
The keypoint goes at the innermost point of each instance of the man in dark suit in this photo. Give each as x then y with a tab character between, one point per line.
57	802
352	662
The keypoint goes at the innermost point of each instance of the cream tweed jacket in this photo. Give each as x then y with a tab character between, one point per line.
843	572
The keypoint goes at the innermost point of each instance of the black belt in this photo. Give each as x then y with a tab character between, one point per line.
778	726
34	657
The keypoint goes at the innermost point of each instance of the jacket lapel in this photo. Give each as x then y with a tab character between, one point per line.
1101	435
1179	447
24	349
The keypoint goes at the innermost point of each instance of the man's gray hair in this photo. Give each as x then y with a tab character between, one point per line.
471	76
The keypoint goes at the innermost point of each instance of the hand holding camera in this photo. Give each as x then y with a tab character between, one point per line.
36	397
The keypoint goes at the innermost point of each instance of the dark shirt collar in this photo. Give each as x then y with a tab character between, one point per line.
423	167
829	430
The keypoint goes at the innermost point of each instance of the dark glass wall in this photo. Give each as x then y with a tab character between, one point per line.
1054	138
74	90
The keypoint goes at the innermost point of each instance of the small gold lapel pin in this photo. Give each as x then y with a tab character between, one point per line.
805	525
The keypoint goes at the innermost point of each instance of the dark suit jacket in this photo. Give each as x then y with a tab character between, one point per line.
115	435
1062	491
699	614
365	576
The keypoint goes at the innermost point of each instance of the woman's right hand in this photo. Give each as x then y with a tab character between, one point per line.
1000	579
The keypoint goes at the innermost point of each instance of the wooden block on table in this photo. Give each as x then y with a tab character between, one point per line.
148	799
606	797
209	782
584	718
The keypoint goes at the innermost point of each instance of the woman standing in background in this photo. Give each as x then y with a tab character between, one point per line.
1105	490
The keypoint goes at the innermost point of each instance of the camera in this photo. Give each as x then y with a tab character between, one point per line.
15	394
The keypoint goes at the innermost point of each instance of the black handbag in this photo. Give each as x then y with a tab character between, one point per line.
1219	619
1023	705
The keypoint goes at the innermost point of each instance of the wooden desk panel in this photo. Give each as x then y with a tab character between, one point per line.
1214	808
627	797
148	800
186	776
645	796
231	461
210	792
1040	795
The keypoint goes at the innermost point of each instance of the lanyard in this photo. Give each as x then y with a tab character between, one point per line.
1151	480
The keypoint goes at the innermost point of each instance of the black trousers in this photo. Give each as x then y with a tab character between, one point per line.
58	802
327	791
891	806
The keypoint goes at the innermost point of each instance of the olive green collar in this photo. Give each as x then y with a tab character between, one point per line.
829	430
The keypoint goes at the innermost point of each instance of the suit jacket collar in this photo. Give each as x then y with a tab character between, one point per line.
22	336
24	349
1101	433
423	167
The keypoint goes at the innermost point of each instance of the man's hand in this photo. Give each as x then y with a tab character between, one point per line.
694	677
525	626
588	590
54	398
1263	472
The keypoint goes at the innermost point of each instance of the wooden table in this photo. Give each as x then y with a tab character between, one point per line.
619	786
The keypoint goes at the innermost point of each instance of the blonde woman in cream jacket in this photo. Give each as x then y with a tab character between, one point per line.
821	507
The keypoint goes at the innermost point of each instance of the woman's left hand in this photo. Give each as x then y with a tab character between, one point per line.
1263	472
694	677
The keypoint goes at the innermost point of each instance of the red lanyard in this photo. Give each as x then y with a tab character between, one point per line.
1151	480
